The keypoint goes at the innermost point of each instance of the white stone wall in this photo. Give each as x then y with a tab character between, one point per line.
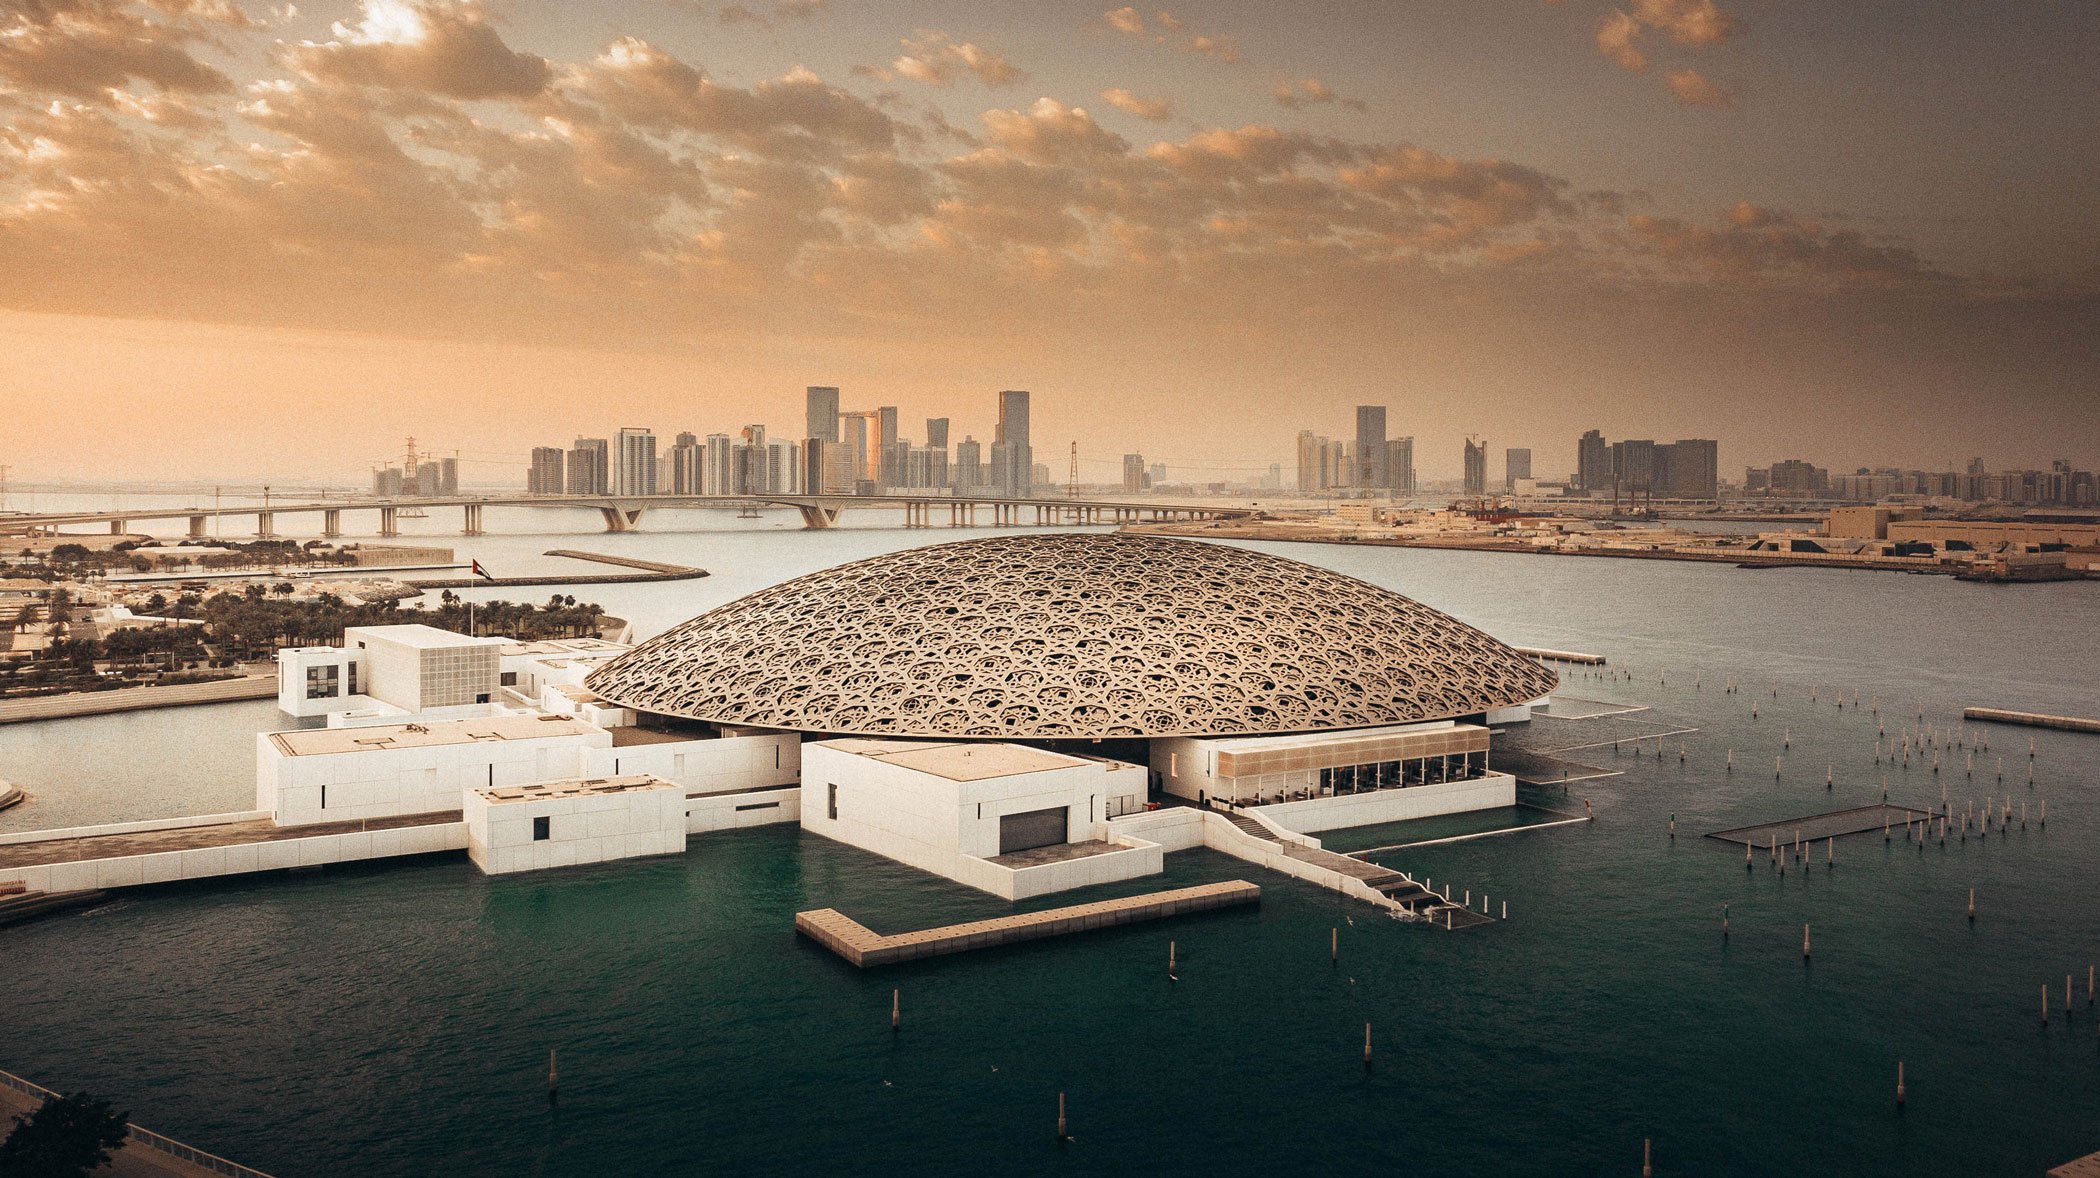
1393	805
720	765
205	862
738	811
583	828
377	783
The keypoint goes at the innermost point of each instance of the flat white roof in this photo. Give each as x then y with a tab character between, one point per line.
968	761
421	636
574	787
1258	744
571	646
313	742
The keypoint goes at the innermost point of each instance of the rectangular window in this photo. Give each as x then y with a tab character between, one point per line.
832	805
508	679
542	828
321	682
758	806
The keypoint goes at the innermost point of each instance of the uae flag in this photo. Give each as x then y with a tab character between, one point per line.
483	573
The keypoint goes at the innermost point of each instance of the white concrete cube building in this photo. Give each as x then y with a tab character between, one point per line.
1009	819
409	668
563	823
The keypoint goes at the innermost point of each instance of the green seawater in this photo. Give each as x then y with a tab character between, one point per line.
395	1019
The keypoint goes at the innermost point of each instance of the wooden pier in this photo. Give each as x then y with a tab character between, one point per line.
2031	719
868	949
1561	656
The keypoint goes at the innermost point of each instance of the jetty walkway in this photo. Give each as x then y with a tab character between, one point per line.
867	948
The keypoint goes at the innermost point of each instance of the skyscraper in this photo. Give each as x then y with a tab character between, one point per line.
1400	465
937	434
1015	474
1476	467
889	470
1309	444
590	467
715	468
1516	464
544	477
823	413
969	465
688	463
1592	462
1134	472
1690	468
636	470
1370	448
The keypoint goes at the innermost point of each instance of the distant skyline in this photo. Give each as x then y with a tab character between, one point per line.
243	241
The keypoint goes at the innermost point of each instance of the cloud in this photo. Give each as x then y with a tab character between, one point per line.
1697	23
1311	92
935	59
433	48
1771	245
1157	110
1126	20
1619	39
1690	88
1167	20
86	48
1222	48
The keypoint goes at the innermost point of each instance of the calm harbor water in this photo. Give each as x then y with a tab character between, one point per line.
395	1019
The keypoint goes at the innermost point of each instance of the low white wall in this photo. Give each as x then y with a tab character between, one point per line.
715	765
205	862
139	827
1136	858
1174	828
737	811
1392	805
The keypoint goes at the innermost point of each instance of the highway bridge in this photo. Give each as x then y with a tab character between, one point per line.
623	513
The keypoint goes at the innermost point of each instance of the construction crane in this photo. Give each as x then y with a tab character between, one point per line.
1072	477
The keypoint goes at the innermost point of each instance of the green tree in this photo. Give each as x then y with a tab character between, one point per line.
66	1137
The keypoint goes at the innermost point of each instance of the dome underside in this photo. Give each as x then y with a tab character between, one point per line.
1071	636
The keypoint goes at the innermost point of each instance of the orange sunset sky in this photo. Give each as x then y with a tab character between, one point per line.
253	241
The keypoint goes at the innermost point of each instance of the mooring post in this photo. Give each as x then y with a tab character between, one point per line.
896	1009
1061	1134
553	1078
1972	905
1367	1047
1647	1159
1804	942
1334	945
1899	1083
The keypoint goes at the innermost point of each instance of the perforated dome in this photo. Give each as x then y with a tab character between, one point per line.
1067	635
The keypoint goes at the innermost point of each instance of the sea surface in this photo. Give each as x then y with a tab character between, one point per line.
396	1019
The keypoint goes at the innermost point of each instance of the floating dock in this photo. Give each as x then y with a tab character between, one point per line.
2031	719
868	949
1813	827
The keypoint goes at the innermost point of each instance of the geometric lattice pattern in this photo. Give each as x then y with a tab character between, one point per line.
1071	635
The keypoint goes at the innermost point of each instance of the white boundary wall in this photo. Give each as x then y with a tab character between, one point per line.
1392	805
205	862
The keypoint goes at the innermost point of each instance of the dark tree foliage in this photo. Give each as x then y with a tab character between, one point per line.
66	1137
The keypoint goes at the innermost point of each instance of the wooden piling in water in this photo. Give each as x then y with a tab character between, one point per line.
553	1078
896	1009
1899	1083
1804	942
1367	1047
1061	1134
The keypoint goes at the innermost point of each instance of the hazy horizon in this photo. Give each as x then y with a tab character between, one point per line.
275	240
